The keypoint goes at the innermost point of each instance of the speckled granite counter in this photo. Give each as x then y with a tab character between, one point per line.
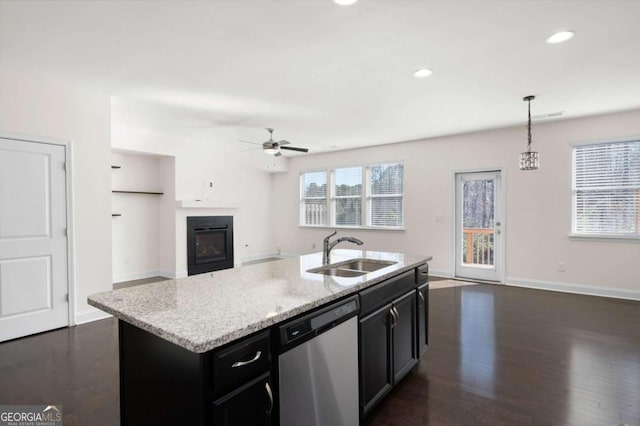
202	312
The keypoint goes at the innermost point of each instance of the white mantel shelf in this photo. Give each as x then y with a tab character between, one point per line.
203	204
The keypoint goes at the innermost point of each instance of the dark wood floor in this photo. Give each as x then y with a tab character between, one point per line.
498	356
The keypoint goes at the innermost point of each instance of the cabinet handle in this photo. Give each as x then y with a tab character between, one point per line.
241	363
393	318
424	302
397	314
270	395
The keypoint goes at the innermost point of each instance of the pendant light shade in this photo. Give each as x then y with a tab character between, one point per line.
529	160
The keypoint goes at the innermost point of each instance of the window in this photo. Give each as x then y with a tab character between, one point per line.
348	196
606	189
386	202
314	198
360	197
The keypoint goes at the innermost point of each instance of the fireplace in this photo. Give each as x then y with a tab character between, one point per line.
209	243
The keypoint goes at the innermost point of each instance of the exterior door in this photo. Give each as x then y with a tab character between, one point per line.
33	242
478	226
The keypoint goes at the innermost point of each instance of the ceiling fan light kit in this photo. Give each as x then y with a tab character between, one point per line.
529	160
272	147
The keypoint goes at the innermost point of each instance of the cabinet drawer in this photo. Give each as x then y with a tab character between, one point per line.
422	274
384	292
241	362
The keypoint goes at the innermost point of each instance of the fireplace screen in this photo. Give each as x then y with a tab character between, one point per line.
209	243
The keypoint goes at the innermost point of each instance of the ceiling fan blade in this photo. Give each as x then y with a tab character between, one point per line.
277	154
253	143
250	149
284	142
293	148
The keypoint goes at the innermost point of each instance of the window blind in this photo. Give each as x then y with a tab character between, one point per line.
606	189
348	196
386	199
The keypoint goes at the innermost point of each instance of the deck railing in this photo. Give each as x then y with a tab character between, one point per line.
315	214
478	246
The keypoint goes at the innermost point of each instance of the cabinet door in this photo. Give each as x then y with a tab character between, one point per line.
405	349
423	318
252	405
376	374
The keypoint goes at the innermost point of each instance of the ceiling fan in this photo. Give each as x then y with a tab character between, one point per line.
273	147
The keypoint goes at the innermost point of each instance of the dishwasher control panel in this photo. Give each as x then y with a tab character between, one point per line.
316	322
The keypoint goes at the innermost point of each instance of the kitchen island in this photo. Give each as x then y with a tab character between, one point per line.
176	336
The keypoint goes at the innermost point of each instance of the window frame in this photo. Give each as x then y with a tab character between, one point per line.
365	196
303	198
334	197
574	191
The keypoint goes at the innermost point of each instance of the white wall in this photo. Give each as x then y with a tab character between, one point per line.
33	105
145	233
239	188
538	204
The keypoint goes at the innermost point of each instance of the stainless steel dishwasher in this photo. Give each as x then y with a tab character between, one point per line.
318	367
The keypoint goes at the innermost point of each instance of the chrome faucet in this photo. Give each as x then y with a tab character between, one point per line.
327	246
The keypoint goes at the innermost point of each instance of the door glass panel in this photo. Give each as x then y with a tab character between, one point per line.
478	214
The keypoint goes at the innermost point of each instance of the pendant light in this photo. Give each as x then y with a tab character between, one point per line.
529	159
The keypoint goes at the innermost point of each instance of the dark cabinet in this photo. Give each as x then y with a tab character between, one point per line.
242	383
162	383
423	318
388	348
405	349
241	362
252	404
376	374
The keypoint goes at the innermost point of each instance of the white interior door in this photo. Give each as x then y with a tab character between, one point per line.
33	242
479	226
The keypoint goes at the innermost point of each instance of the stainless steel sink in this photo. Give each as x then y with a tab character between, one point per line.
366	265
352	268
337	272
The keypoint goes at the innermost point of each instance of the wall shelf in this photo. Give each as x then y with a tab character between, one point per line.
115	167
138	192
116	214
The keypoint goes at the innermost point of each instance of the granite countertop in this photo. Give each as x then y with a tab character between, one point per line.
205	311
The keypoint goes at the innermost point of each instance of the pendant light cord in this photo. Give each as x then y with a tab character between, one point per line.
529	127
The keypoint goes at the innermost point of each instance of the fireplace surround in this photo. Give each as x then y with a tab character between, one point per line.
209	243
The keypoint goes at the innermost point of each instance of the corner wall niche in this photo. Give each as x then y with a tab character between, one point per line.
143	211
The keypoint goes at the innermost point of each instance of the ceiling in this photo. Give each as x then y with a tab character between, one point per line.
328	76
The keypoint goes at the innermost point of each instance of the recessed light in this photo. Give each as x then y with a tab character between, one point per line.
345	2
560	37
422	73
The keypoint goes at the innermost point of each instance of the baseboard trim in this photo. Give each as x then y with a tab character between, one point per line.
141	275
588	290
90	315
440	273
168	274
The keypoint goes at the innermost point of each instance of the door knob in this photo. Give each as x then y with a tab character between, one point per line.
497	231
497	223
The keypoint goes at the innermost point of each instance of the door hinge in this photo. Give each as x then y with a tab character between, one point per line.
66	297
64	166
65	232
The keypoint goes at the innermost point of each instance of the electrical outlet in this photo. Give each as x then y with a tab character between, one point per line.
313	246
562	266
439	219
